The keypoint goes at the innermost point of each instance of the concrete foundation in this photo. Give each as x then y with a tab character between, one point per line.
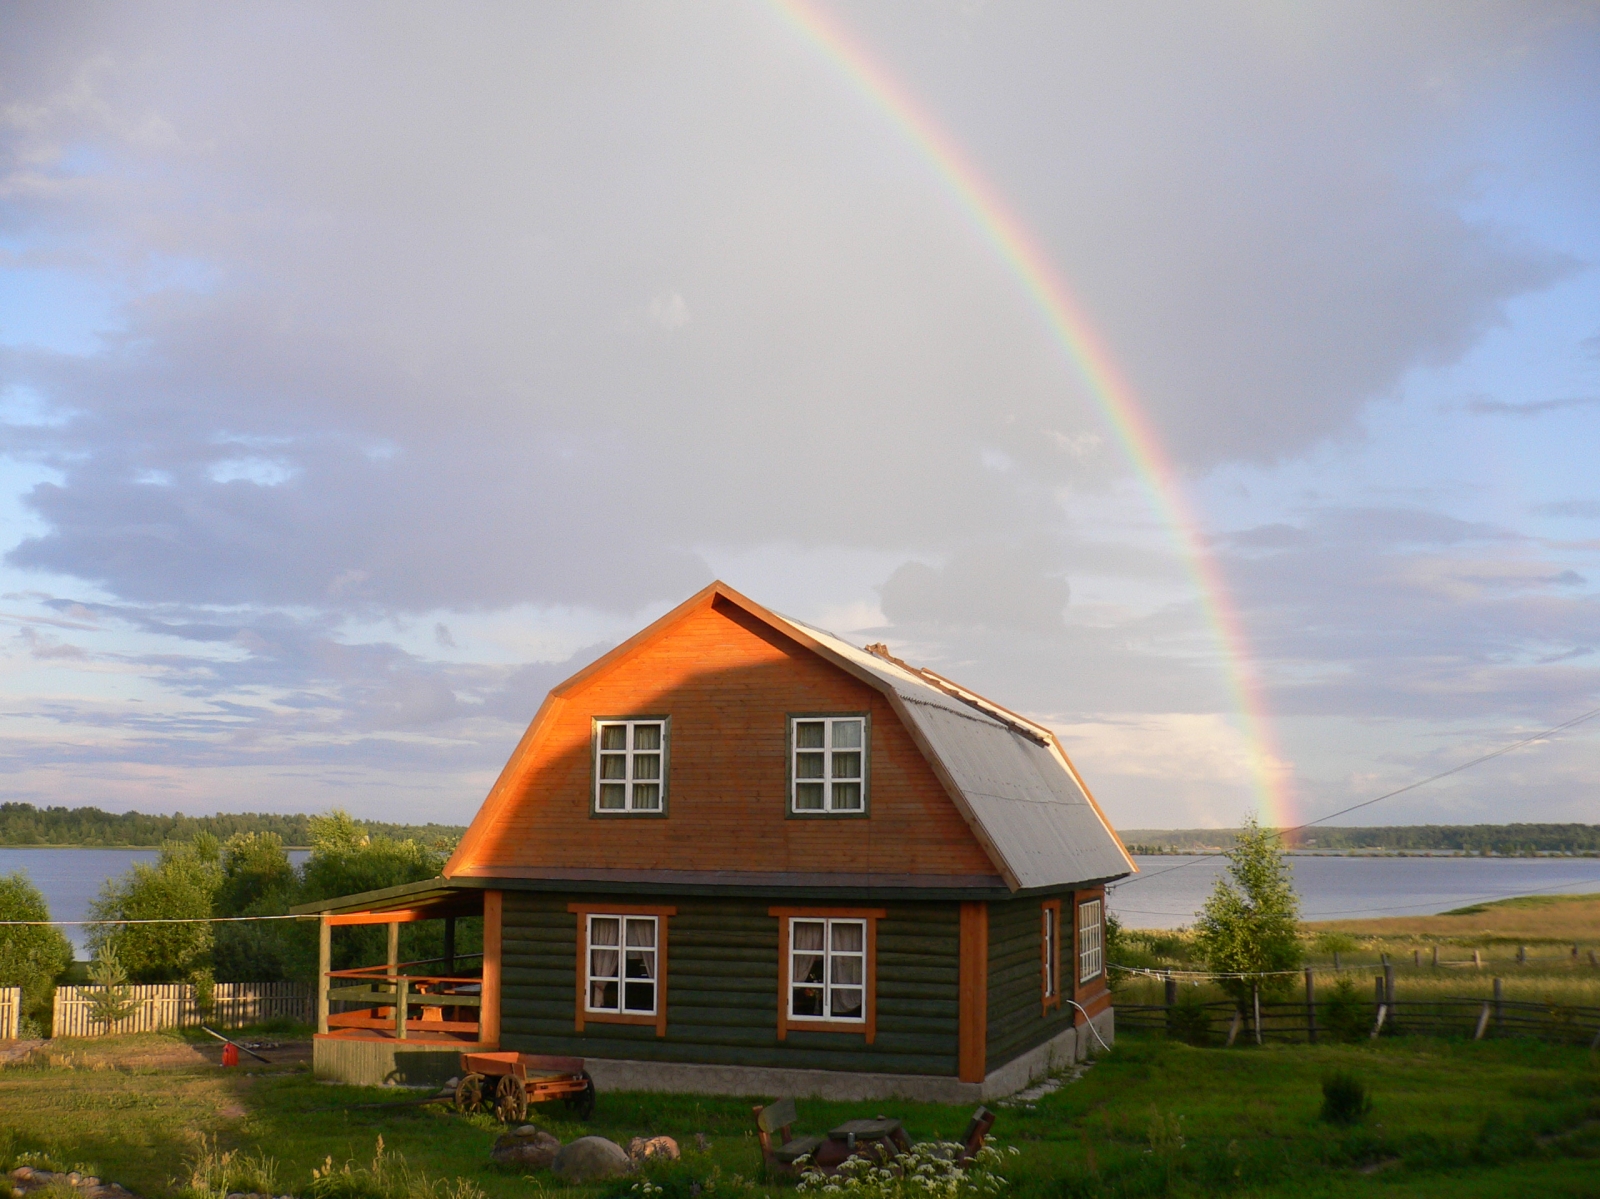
1072	1045
386	1063
394	1063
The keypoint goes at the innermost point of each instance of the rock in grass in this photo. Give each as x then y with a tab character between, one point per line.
589	1158
528	1147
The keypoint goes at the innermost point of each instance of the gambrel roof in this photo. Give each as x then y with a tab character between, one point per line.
1008	776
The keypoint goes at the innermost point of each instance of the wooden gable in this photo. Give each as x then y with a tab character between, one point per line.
729	680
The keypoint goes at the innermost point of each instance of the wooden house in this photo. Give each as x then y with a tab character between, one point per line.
739	855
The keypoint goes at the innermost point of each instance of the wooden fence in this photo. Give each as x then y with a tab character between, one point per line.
172	1005
10	1012
1387	1013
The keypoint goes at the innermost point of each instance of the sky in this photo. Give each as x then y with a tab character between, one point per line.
367	369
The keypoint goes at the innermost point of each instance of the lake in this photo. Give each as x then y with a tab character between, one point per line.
71	878
1164	896
1168	890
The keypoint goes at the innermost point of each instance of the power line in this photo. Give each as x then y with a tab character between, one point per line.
1367	803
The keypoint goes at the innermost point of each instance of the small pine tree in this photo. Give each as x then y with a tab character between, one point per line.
113	1000
1251	922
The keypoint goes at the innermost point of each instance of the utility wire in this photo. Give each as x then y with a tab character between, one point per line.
153	920
1367	803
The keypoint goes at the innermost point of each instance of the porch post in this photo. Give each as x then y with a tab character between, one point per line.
324	964
394	945
489	1013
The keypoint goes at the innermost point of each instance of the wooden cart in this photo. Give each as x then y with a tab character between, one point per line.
506	1083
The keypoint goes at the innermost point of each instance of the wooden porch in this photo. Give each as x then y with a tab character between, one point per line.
449	1002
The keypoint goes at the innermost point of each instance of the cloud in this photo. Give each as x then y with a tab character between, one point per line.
983	587
1530	409
1583	509
397	250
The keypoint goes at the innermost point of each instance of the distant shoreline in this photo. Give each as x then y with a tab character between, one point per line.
1150	851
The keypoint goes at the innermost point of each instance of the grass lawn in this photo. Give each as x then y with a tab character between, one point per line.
1462	1119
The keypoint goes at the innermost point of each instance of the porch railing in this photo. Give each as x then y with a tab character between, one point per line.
388	999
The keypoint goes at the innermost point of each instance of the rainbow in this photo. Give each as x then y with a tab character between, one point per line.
1088	353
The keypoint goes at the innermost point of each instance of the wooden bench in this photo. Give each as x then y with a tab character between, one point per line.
779	1147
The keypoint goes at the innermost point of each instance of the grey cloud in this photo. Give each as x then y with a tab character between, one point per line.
1015	588
1584	509
628	285
1531	408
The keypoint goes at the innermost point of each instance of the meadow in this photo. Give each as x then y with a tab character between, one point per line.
1539	946
1153	1117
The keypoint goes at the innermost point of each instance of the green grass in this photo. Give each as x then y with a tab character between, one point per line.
1450	1118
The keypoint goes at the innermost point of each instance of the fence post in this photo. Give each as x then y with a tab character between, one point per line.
1336	961
1311	1006
1499	998
1255	999
1416	957
1388	992
1522	955
1170	997
1593	961
1477	960
324	964
1435	957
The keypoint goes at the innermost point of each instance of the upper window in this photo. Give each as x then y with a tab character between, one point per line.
630	764
1091	941
828	970
1050	951
622	965
827	764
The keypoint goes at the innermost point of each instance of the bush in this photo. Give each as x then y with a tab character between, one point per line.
182	885
388	1177
1188	1020
1345	1014
213	1174
1344	1098
30	956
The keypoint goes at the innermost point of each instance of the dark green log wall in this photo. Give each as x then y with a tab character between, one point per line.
1016	984
722	989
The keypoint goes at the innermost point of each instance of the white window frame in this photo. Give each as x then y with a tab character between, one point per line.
631	780
828	956
1050	919
1091	940
621	977
828	720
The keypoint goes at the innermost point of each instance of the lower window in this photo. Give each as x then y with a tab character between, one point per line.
621	970
827	969
622	964
1091	941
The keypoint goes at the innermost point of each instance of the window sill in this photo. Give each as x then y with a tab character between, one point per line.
856	1026
859	815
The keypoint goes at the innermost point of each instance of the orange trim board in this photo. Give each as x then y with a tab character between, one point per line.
581	1014
786	1022
973	994
1050	963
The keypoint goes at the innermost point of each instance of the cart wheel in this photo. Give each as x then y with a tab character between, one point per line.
582	1104
469	1094
511	1099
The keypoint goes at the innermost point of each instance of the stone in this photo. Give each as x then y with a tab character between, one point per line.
22	1172
642	1149
589	1158
528	1147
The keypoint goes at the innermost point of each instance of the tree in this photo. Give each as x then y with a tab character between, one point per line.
113	999
182	885
257	880
1251	922
31	957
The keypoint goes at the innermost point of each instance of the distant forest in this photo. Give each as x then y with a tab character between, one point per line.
22	824
1508	840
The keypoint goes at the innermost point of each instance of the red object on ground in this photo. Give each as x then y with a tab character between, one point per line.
230	1055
